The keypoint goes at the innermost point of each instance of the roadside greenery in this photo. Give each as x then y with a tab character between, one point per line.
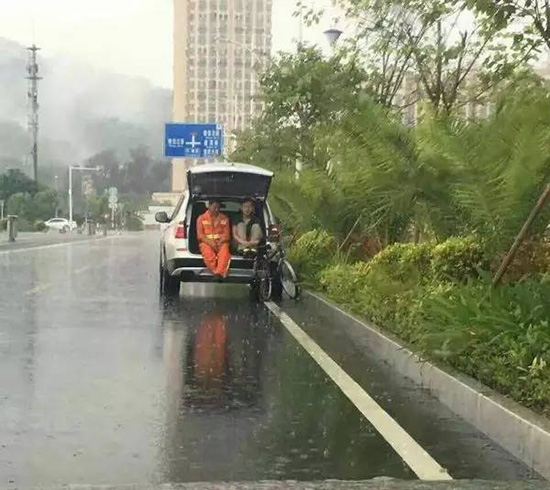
500	336
406	225
34	204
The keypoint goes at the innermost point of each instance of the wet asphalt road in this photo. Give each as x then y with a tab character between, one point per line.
101	383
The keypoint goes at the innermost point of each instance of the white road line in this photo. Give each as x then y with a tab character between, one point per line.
55	245
425	467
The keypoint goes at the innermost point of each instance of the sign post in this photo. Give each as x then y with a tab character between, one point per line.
113	204
193	140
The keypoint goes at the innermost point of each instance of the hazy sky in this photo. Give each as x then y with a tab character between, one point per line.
133	37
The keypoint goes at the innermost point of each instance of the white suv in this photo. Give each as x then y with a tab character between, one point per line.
60	224
230	183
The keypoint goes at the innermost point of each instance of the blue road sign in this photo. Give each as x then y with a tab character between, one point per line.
193	140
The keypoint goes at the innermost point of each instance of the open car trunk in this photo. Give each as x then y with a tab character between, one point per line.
229	181
231	208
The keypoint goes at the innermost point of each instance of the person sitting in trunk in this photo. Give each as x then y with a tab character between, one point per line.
214	235
247	234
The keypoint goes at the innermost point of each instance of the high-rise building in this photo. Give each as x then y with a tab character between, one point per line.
219	47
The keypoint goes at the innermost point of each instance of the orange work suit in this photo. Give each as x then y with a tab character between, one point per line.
218	231
211	351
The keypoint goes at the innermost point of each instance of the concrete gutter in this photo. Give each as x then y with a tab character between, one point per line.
520	431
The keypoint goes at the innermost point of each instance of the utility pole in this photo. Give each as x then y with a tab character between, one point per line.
32	96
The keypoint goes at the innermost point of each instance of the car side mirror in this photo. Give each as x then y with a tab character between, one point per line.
162	217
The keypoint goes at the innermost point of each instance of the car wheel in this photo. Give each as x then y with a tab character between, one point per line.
169	286
65	229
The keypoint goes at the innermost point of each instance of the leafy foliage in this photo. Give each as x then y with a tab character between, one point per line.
313	251
455	56
140	174
15	181
300	92
499	336
530	19
30	208
39	225
458	259
402	260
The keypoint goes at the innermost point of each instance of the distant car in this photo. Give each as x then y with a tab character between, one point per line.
60	224
180	257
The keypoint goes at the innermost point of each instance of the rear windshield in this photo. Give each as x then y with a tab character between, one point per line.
230	184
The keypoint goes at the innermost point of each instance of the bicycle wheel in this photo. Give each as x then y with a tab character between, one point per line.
266	288
289	279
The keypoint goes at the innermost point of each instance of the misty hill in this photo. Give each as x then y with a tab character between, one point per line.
83	111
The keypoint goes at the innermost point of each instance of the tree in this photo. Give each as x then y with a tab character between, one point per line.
380	44
20	204
301	91
529	19
111	172
31	208
98	207
454	57
44	204
141	174
15	181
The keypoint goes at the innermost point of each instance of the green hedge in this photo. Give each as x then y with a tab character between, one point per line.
458	259
437	298
500	336
403	259
373	293
39	226
135	223
24	225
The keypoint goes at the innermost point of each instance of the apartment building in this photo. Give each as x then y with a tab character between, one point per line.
219	48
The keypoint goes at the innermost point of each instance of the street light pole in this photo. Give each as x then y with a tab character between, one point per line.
243	46
56	196
70	196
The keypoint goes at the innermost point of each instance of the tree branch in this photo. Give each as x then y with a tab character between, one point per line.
474	60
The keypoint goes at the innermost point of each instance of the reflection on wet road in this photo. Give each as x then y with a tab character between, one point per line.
102	383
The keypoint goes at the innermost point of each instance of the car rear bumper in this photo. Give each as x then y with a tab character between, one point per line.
194	270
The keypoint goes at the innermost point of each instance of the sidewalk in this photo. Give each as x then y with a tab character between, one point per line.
32	240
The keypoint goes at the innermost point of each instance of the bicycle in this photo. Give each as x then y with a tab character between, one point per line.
264	275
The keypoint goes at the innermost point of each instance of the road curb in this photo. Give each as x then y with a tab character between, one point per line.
517	429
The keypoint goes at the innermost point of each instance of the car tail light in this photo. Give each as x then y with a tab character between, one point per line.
274	233
181	232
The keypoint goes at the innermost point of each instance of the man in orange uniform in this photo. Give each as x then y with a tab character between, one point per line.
214	234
